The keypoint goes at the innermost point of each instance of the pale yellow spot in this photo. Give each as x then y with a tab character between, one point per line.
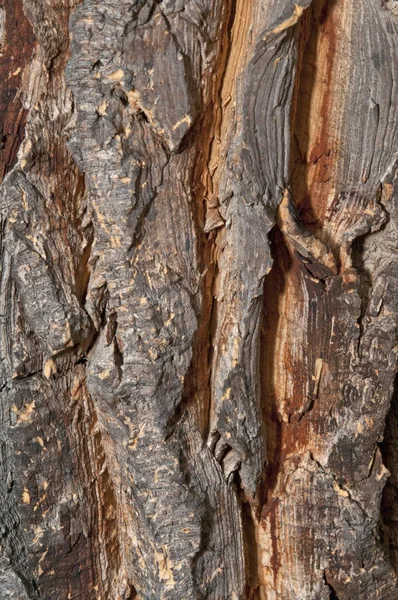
100	217
298	11
116	75
144	300
26	496
38	534
26	412
40	569
216	572
340	490
318	369
102	108
133	99
382	473
125	179
41	500
115	242
24	201
76	389
49	368
170	319
227	394
27	146
387	191
104	374
359	427
317	376
187	119
165	571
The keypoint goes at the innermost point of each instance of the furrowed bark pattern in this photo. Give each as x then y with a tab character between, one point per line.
198	300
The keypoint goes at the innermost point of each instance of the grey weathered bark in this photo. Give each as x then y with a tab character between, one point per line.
198	299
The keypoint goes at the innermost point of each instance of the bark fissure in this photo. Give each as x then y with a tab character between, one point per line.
310	262
333	595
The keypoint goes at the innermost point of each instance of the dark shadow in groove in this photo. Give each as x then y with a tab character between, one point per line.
365	284
274	286
132	593
333	595
313	25
249	542
250	550
389	503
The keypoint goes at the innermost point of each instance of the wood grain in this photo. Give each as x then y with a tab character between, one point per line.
198	300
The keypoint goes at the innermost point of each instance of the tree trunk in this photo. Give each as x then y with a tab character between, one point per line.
199	297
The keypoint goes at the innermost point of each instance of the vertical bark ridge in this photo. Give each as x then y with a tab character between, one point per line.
47	242
316	266
17	45
235	46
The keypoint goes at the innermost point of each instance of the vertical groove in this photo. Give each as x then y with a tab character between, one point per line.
216	128
16	48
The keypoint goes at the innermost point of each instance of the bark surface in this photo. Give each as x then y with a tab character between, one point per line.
198	299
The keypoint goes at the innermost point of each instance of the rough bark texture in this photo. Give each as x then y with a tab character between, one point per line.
198	294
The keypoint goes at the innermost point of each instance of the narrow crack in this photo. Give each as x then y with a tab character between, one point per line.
333	593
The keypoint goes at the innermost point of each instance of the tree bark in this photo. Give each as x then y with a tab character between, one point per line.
198	300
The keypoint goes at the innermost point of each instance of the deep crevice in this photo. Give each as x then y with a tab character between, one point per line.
274	285
333	593
198	378
286	432
304	156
